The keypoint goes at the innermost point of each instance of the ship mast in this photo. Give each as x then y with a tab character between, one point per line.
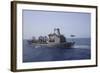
57	31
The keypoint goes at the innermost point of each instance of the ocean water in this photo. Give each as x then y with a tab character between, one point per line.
80	51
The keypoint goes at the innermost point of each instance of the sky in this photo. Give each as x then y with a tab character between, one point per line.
41	23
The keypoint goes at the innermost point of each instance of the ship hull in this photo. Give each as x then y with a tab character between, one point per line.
61	45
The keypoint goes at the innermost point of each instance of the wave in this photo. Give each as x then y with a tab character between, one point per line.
82	46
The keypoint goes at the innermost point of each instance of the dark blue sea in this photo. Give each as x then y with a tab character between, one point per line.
80	51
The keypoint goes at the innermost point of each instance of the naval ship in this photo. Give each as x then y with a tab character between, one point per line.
53	40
